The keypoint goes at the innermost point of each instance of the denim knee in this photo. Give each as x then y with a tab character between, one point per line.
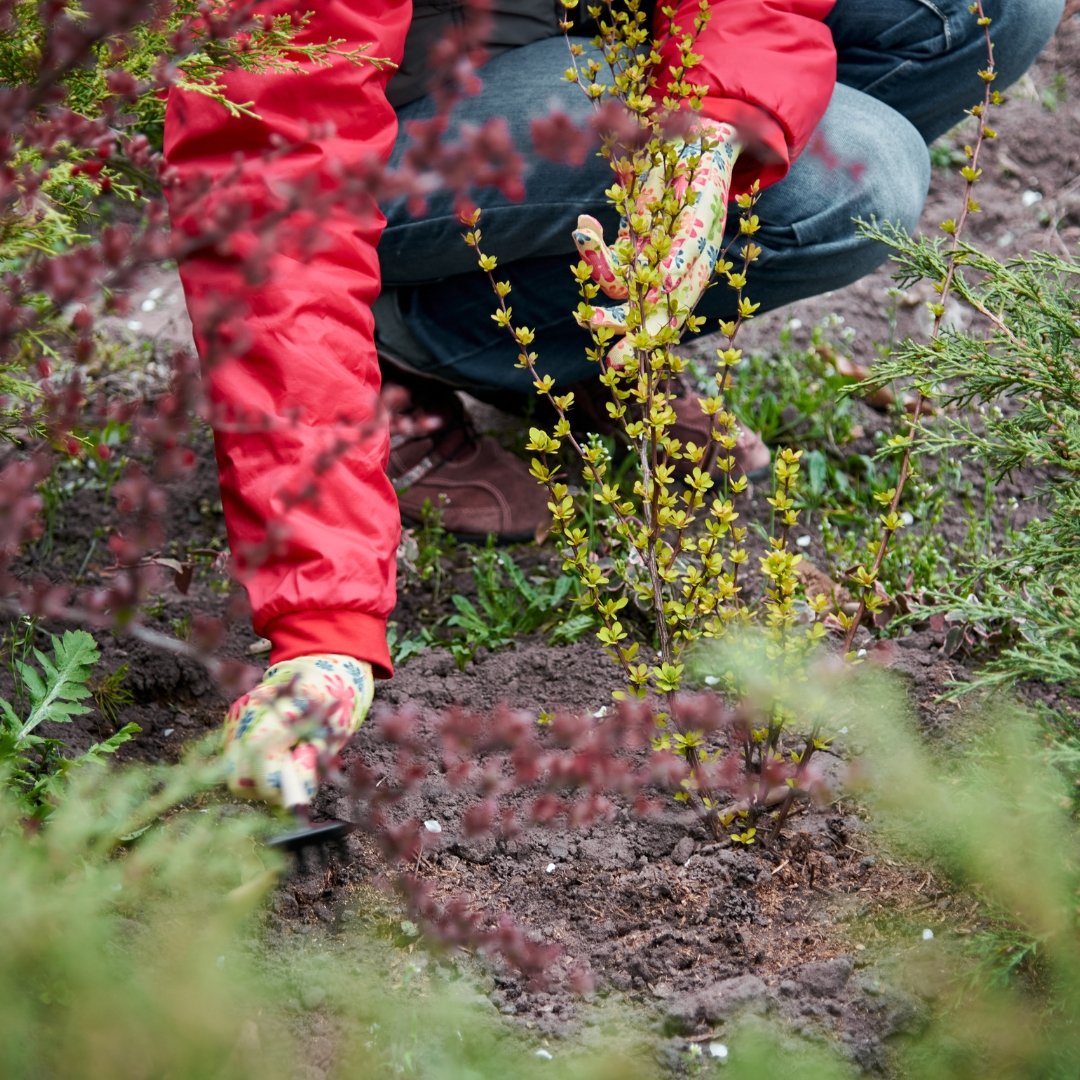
907	194
922	57
866	160
894	178
890	184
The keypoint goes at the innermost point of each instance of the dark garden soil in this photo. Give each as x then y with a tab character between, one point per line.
651	909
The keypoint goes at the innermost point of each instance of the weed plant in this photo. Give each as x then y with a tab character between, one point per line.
508	604
794	393
423	553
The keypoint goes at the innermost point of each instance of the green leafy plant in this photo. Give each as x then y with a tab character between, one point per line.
57	693
1007	395
509	605
1055	93
404	647
424	551
795	393
808	395
1022	381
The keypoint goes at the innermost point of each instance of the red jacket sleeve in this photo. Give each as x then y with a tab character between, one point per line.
770	68
325	579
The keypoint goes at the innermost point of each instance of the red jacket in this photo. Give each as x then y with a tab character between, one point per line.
327	583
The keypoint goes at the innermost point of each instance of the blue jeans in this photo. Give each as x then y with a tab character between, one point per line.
907	71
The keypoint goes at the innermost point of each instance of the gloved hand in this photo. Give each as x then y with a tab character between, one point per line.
280	735
698	235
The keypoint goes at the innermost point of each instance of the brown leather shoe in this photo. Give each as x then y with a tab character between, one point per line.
480	488
751	455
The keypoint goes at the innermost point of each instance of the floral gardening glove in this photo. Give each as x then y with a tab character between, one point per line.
280	737
696	241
